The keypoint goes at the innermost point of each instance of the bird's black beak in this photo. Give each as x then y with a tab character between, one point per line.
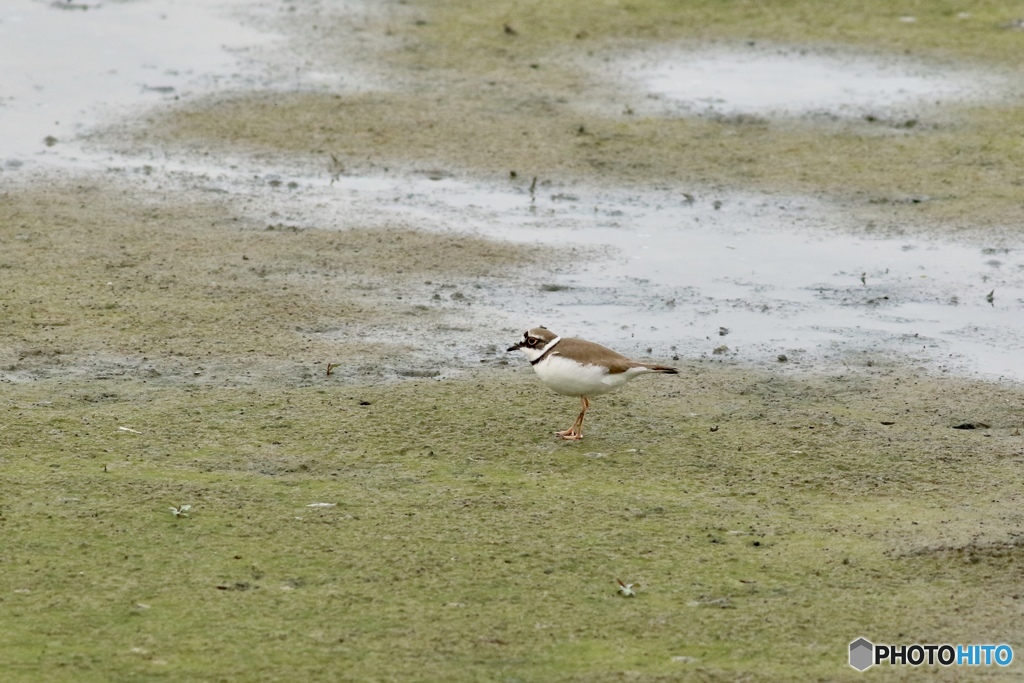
516	347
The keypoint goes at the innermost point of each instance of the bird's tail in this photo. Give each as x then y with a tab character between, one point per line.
664	369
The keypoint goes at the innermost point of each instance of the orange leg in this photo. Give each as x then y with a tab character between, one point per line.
575	433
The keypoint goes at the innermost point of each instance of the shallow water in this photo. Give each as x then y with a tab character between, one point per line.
743	277
765	81
69	66
773	273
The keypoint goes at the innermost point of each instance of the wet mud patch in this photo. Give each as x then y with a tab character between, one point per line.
513	113
951	173
102	279
671	273
1008	550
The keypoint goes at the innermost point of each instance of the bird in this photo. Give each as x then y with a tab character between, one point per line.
576	367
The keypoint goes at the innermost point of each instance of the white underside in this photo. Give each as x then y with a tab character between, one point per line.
573	379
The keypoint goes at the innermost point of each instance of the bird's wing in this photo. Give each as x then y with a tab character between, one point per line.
595	353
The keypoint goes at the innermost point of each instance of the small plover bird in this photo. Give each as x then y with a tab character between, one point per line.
576	367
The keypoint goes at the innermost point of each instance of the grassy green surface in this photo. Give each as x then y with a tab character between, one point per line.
985	30
467	544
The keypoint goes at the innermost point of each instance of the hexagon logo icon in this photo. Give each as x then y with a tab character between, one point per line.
862	654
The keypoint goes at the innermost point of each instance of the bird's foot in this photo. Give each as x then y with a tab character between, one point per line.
575	433
570	435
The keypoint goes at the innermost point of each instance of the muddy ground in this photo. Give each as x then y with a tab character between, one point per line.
164	344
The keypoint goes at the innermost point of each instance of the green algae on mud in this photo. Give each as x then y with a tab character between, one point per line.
983	31
98	275
464	542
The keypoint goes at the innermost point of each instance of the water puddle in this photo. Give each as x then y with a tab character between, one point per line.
752	278
743	277
771	82
70	65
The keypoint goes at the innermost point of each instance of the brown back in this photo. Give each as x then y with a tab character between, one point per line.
591	353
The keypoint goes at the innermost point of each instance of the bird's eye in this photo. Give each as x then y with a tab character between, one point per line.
531	341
